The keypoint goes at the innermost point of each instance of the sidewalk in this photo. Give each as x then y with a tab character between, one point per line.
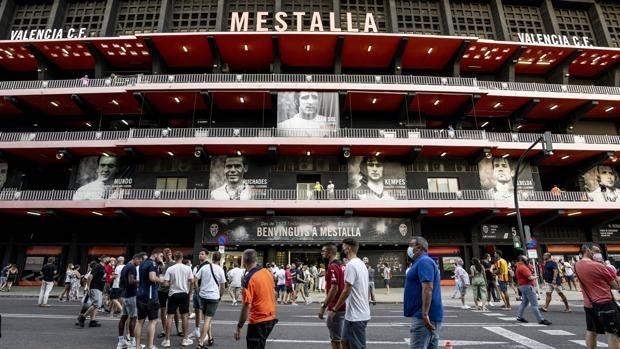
395	296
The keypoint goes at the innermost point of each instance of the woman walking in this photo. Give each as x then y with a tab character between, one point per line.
478	284
74	293
11	277
68	275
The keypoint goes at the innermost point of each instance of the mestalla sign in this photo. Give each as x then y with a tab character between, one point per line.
239	22
254	230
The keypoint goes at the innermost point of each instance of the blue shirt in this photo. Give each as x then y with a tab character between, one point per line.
129	290
147	290
423	269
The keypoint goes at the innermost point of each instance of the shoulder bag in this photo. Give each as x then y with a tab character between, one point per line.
608	312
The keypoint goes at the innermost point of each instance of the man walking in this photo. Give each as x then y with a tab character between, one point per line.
147	301
550	275
259	304
489	269
503	277
525	282
48	271
96	283
355	295
129	284
234	276
596	284
371	281
334	288
462	281
202	260
212	279
422	296
178	277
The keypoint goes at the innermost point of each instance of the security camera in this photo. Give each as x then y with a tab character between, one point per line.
198	153
488	155
346	153
60	155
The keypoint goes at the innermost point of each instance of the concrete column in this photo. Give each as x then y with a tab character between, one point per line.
198	231
599	26
108	27
57	14
499	19
221	21
391	16
548	16
164	15
73	248
8	251
7	8
446	17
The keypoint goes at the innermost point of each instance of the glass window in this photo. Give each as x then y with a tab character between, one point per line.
443	185
171	183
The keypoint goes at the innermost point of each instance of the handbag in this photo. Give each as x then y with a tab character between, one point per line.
608	312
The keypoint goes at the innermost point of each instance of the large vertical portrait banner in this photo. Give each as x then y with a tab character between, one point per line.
308	110
372	178
237	178
496	177
102	177
600	182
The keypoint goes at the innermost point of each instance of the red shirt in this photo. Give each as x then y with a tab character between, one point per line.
335	276
288	278
594	279
523	274
108	272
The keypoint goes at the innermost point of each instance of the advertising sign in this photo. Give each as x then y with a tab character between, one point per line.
497	232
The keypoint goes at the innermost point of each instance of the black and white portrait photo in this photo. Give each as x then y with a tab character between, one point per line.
4	173
496	176
372	178
236	178
308	110
101	177
600	183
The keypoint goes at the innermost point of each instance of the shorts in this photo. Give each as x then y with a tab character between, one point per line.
503	286
569	277
289	289
116	293
335	326
550	287
106	287
2	279
462	289
96	298
371	286
354	334
178	301
209	306
130	308
386	282
299	287
148	309
592	322
281	288
196	300
163	298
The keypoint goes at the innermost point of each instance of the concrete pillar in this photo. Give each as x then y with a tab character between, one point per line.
198	230
108	27
7	8
499	19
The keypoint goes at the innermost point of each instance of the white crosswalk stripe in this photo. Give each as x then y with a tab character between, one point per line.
557	332
583	343
494	314
525	341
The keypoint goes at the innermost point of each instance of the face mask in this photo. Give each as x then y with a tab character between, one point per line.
410	252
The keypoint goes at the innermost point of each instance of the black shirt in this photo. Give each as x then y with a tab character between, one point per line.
129	290
487	265
98	280
48	271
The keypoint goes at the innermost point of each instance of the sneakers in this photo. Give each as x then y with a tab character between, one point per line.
123	343
234	303
187	342
131	343
491	304
94	323
520	319
80	321
545	322
165	343
196	333
192	315
465	307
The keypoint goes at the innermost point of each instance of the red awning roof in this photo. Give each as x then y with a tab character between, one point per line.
184	50
73	55
16	57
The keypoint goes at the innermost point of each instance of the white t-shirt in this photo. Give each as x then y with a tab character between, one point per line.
117	278
180	276
386	273
281	275
568	269
208	287
235	275
356	275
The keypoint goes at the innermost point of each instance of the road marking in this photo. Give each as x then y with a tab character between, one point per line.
525	341
557	332
327	342
583	343
494	314
373	316
532	324
507	318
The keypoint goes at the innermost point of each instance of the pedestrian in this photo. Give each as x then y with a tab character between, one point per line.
116	291
109	277
371	281
596	285
84	80
550	275
387	276
11	277
335	287
556	192
462	281
526	283
3	276
314	281
290	292
478	284
569	274
422	296
202	261
48	272
321	277
503	277
318	189
331	190
74	293
212	279
489	272
67	287
178	277
234	276
146	298
259	306
281	285
355	295
94	299
300	284
128	283
164	289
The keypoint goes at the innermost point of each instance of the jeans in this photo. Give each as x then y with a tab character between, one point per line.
46	288
258	333
421	337
528	295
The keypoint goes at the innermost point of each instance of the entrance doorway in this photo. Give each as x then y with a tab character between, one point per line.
305	185
308	257
230	259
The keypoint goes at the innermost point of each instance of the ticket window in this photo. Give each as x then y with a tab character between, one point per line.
36	258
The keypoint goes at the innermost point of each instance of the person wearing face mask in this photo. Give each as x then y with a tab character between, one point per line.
355	295
422	296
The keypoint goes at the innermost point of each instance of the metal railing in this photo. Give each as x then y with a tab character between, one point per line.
274	132
144	80
290	194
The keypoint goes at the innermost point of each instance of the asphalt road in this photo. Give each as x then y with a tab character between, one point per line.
25	325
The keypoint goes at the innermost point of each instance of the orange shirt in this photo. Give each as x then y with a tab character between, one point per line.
260	296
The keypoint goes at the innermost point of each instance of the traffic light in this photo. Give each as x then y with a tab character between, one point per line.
547	144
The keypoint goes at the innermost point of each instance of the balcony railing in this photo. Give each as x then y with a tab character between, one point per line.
144	80
274	132
291	194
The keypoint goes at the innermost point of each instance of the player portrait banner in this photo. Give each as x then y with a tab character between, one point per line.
256	230
308	110
373	178
237	178
11	179
496	177
102	177
600	182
